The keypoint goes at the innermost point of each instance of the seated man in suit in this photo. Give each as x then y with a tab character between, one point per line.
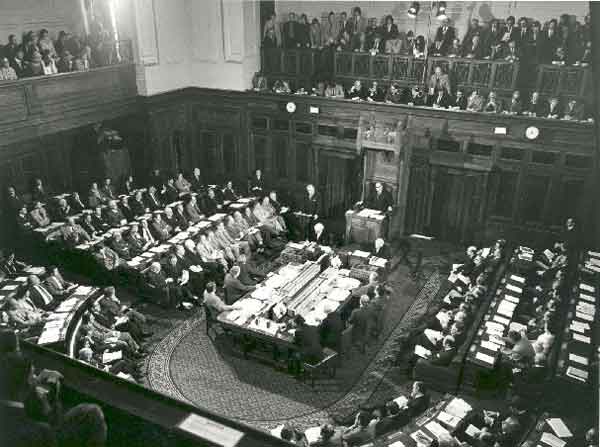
107	189
152	200
73	234
23	313
107	258
39	216
358	433
307	339
382	250
120	246
179	277
234	288
331	328
40	295
63	210
359	319
157	279
10	265
137	204
99	220
113	215
125	208
56	284
447	353
192	211
319	235
214	303
229	193
160	230
381	199
248	273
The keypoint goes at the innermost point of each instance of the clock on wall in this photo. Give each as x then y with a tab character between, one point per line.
532	132
290	107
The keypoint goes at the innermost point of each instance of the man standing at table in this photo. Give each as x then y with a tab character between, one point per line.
381	200
311	207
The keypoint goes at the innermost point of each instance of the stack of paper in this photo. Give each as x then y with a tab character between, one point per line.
551	440
109	357
402	401
448	419
437	430
485	358
514	289
458	408
378	262
312	434
361	254
559	427
577	373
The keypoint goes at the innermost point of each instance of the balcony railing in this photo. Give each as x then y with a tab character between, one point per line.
302	66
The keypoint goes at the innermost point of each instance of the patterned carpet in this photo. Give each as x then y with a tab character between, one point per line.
188	365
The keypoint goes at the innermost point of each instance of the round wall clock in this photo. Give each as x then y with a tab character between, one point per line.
290	107
532	132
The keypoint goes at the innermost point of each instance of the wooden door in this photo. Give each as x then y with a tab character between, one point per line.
339	183
456	207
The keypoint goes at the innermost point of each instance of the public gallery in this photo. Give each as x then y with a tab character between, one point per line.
260	223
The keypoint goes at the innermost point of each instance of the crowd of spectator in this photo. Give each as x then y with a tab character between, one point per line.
38	54
32	409
562	41
439	94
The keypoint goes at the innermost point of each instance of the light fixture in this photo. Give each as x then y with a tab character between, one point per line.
441	11
413	10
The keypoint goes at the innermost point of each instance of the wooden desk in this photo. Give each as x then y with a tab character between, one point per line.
364	228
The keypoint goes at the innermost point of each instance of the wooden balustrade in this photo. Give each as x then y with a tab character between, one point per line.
303	66
78	98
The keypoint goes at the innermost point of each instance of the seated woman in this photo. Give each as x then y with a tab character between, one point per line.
265	214
243	233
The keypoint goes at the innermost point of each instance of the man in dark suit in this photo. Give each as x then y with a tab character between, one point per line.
440	99
248	274
446	354
331	329
176	270
180	218
319	235
13	202
39	294
229	193
381	200
443	39
307	339
382	250
196	182
234	288
138	207
120	246
125	208
359	319
510	32
256	183
114	217
291	32
159	228
152	200
459	102
157	279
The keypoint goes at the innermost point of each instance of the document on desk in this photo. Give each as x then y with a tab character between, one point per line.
312	434
587	287
10	287
552	440
458	407
518	278
559	427
422	352
583	316
588	298
485	358
582	338
397	444
472	431
514	289
109	357
490	345
577	373
436	429
401	401
448	419
502	320
210	430
511	299
421	438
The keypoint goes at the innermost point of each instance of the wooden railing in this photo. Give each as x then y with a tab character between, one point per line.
78	98
555	80
302	66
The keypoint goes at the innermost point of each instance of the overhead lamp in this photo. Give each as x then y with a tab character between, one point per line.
441	12
413	10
